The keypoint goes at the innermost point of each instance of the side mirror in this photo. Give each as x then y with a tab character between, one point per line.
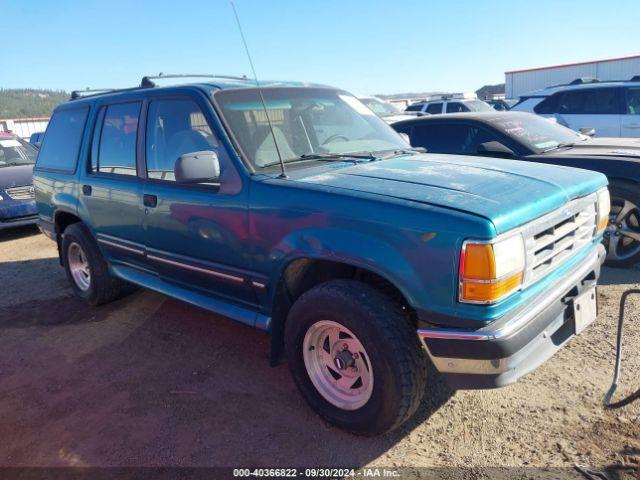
495	149
589	132
197	167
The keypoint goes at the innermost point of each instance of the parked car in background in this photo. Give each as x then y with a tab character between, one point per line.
36	139
17	204
448	104
611	109
386	111
524	136
502	104
323	227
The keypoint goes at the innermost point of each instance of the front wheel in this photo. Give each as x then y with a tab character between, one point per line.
355	356
622	236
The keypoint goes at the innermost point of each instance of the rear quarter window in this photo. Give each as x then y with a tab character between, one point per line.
61	145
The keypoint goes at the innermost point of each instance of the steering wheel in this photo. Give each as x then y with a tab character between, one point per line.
335	137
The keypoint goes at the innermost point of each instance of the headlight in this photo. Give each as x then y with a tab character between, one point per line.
491	271
604	207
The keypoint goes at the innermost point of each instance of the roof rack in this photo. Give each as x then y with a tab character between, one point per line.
148	81
90	91
584	80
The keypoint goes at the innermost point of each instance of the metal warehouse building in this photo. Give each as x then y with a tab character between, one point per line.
518	82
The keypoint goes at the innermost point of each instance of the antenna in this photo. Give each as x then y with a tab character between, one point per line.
264	104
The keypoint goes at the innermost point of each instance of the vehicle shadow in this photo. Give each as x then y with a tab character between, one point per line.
151	381
18	232
620	276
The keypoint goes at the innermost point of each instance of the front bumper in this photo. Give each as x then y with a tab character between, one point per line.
500	353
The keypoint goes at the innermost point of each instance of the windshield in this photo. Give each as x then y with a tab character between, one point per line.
15	151
478	106
380	108
537	133
305	121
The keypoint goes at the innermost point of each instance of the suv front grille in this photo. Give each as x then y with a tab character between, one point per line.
21	193
553	239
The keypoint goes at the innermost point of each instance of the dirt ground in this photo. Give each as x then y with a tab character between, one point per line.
150	381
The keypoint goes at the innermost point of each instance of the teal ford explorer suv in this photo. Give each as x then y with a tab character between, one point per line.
294	209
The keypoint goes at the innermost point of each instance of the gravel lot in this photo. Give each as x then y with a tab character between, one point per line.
149	381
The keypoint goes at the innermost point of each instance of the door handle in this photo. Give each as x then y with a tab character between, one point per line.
150	200
86	190
631	125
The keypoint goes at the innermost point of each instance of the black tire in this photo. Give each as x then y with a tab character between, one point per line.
103	287
621	192
397	358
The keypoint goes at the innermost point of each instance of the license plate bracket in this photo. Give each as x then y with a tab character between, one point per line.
585	309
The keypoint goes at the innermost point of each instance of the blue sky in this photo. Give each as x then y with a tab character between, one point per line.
365	46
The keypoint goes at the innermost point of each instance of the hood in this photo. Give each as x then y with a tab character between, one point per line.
608	147
507	192
16	176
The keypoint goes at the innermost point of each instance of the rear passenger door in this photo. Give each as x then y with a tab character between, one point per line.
598	108
196	234
111	192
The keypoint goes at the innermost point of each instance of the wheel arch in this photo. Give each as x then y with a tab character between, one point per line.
301	274
62	219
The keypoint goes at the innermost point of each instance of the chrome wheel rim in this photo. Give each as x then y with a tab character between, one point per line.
338	365
622	235
79	266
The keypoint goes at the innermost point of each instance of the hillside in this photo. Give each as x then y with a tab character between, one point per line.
20	103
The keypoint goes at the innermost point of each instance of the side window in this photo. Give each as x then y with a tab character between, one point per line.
475	137
176	127
454	107
633	101
602	101
456	139
416	107
116	144
60	149
434	108
548	105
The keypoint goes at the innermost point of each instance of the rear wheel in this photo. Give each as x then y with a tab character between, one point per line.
86	269
622	236
355	356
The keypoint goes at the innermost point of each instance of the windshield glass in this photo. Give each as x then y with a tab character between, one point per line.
305	121
380	108
535	132
15	151
478	106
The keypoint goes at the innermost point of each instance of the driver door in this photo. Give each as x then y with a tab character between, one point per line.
196	234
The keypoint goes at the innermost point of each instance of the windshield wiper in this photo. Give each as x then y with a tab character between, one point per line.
324	156
337	156
400	151
559	146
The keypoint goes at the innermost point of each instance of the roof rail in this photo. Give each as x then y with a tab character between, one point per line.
148	81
